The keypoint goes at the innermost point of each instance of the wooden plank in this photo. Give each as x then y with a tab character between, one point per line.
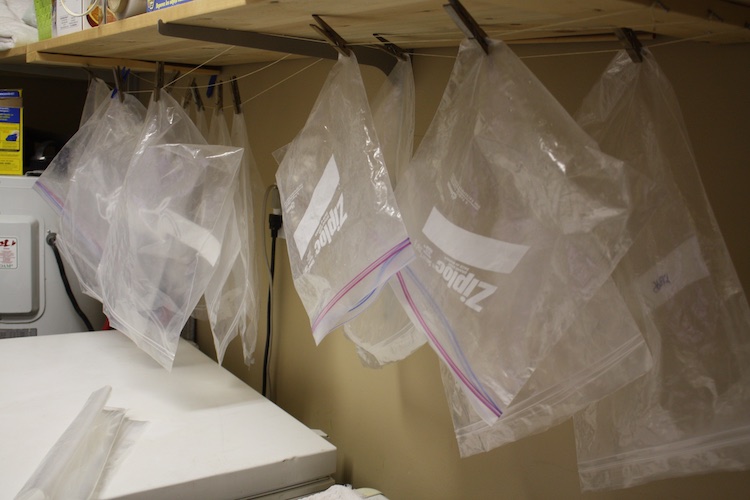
412	24
16	55
106	62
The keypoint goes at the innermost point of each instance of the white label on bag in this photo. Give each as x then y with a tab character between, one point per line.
316	209
684	265
470	248
191	234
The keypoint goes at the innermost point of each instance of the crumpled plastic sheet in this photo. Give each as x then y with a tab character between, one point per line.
87	451
517	219
688	415
345	233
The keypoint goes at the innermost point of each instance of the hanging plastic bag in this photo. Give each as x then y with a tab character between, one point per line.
167	233
228	295
97	93
689	415
602	351
54	182
383	333
248	201
517	219
345	233
95	187
74	466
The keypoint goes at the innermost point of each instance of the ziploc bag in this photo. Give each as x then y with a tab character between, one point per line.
517	220
248	205
74	466
229	297
95	187
383	333
689	414
96	94
167	232
345	233
54	182
600	352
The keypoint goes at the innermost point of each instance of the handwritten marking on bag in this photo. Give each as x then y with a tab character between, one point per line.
460	280
660	282
681	267
330	225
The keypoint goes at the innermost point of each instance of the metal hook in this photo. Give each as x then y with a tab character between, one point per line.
329	34
632	45
467	24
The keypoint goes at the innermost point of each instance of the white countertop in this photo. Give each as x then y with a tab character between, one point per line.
209	434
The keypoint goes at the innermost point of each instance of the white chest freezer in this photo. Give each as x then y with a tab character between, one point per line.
209	435
32	296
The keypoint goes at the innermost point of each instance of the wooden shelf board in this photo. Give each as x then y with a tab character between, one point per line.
412	24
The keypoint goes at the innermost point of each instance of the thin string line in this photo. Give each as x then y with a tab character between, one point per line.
237	78
213	108
280	82
202	64
679	40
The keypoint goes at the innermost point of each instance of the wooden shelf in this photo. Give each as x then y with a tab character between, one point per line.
412	24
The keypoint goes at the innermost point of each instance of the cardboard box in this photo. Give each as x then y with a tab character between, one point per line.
65	23
152	5
11	132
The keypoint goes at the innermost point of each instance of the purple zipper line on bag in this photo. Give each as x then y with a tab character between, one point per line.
49	194
481	397
362	275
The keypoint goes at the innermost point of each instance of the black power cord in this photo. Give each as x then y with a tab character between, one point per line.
52	242
274	224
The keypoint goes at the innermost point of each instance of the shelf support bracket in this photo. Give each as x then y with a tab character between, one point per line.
368	55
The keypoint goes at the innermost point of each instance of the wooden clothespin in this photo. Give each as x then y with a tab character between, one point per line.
467	24
632	45
331	36
236	96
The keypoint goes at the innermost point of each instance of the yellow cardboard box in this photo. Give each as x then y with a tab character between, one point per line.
11	132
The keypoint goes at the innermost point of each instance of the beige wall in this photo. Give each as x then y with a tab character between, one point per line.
392	426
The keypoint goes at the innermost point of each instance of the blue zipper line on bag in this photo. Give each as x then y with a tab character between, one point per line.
474	386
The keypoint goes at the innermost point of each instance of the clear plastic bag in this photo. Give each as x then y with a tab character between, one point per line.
95	186
231	292
167	233
248	205
689	415
345	233
383	333
54	182
96	94
74	466
223	297
567	380
517	220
